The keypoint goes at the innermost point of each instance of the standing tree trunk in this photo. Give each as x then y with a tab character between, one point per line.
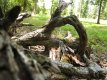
85	11
51	7
98	18
24	5
36	8
44	8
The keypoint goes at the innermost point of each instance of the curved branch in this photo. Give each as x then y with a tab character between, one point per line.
72	20
44	34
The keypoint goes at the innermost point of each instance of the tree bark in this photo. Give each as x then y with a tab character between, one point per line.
99	11
42	35
36	9
93	71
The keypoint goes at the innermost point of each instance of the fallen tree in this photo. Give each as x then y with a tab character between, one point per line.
43	36
39	67
57	49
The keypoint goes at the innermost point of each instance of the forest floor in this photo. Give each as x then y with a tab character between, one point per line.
93	20
97	33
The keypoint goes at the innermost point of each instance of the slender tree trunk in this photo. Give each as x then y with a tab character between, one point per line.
36	8
44	8
86	9
98	19
80	8
51	11
24	5
54	4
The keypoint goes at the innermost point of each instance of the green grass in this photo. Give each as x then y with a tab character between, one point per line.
38	21
97	33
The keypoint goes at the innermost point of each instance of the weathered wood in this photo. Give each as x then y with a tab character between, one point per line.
62	5
43	35
14	65
92	71
22	16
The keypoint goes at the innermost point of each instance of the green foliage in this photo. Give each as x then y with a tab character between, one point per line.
54	5
84	12
62	31
38	20
104	11
97	35
103	8
3	5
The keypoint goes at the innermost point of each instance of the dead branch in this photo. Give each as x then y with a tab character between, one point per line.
57	21
18	23
93	71
27	24
43	35
15	65
60	8
22	16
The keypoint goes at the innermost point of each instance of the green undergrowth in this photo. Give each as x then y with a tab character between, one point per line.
97	33
37	21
